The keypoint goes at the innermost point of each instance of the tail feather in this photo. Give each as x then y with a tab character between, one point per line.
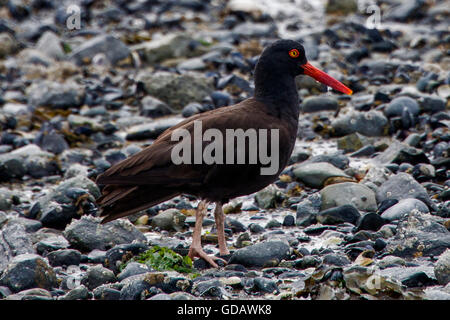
121	201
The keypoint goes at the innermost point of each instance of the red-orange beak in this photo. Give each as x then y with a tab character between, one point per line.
324	78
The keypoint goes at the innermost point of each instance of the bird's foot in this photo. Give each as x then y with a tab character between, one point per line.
199	253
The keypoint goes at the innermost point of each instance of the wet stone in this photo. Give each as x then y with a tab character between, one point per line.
404	207
64	257
260	254
87	234
96	276
442	268
316	173
350	193
402	186
337	215
28	271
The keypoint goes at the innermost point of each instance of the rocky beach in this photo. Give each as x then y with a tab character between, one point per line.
362	212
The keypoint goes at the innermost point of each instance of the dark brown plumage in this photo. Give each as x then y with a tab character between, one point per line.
150	177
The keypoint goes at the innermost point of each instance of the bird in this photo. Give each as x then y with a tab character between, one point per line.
151	176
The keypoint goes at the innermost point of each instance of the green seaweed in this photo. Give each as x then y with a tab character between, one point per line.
162	258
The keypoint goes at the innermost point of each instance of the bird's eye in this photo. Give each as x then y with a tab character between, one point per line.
294	53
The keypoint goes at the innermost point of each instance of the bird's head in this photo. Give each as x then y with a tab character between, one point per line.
288	56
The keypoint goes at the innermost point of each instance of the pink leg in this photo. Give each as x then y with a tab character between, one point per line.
196	246
220	220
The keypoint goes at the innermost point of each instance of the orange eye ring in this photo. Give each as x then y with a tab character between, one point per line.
294	53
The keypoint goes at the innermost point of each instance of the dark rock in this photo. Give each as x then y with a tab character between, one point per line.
208	288
52	141
306	213
317	104
64	257
113	49
78	293
28	271
408	11
260	254
433	104
356	194
132	269
380	244
314	174
371	124
190	109
255	228
235	225
51	243
404	207
155	108
419	234
104	292
337	215
399	152
96	276
336	260
87	234
14	240
307	262
221	99
442	268
272	224
116	256
133	289
418	279
338	160
264	285
370	221
397	106
55	95
402	186
177	90
364	152
289	221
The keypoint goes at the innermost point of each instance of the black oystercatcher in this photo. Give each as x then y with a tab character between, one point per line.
152	176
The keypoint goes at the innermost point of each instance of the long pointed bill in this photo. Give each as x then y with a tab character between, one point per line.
321	76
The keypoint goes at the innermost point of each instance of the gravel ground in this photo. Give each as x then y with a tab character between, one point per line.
361	212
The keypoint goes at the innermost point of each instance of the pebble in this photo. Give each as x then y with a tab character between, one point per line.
96	276
358	195
316	173
170	219
64	257
317	104
87	234
177	90
337	215
442	268
261	254
371	124
27	271
404	207
113	49
402	186
370	221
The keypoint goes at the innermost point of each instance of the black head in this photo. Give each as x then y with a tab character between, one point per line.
286	56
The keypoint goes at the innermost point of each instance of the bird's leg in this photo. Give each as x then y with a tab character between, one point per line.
196	247
220	220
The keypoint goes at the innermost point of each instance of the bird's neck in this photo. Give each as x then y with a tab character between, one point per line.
278	91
